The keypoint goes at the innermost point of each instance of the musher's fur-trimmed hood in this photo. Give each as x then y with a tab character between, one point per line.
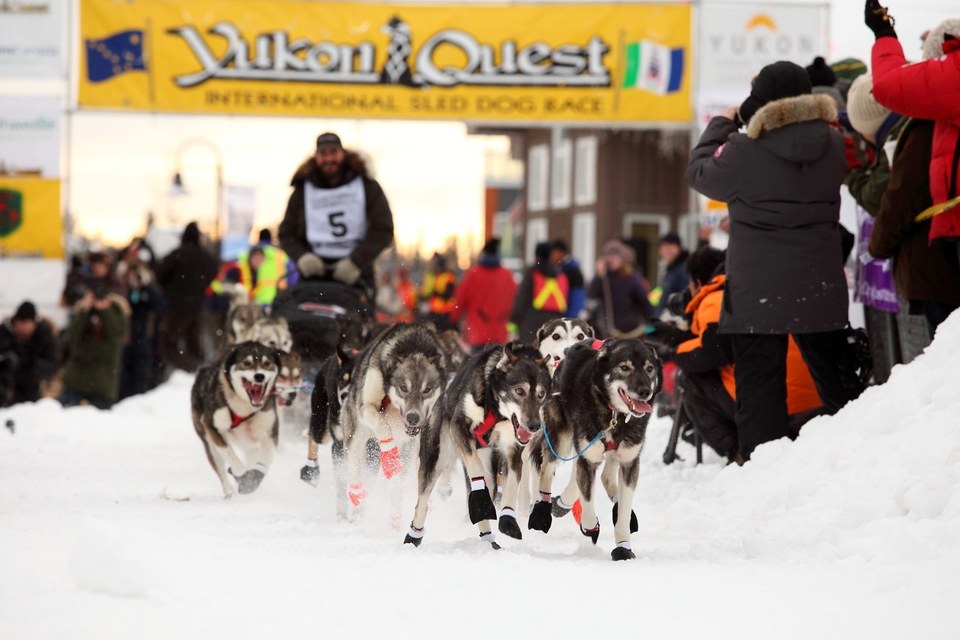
780	113
353	165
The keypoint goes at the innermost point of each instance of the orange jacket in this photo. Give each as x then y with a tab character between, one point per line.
696	354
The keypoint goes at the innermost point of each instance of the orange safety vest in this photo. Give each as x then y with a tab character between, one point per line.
550	294
705	309
441	298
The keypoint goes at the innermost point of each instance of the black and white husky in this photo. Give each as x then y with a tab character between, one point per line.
395	384
556	336
599	414
492	406
235	414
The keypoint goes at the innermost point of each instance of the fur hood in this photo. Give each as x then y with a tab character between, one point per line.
353	163
118	301
780	113
933	45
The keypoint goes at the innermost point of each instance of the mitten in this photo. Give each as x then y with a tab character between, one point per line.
878	20
346	271
310	266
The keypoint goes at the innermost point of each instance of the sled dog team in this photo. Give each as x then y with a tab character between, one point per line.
408	396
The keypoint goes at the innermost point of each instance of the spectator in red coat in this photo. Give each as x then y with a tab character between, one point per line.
485	299
928	90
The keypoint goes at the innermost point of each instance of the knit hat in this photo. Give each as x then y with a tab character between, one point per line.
26	311
542	251
671	237
774	82
849	68
820	73
191	234
933	46
619	248
865	113
491	247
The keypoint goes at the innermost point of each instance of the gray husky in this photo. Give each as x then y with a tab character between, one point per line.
235	414
492	406
395	384
599	414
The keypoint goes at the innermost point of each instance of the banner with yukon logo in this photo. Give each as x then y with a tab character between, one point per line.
618	63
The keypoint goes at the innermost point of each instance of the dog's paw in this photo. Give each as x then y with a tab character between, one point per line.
634	523
481	506
622	553
593	534
558	509
310	474
540	517
249	481
509	527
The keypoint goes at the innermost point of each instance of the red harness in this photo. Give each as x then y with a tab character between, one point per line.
485	427
384	404
235	420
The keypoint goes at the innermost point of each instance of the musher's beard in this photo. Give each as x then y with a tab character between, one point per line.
331	168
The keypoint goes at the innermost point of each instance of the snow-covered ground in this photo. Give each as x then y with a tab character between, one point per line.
112	526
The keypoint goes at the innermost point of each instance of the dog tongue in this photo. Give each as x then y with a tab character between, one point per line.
636	406
254	392
523	435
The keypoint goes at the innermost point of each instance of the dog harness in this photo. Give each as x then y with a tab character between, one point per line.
481	430
384	404
235	420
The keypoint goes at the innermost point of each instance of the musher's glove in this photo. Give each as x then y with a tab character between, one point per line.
310	266
346	271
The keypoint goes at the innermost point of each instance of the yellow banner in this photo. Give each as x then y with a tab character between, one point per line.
30	223
617	63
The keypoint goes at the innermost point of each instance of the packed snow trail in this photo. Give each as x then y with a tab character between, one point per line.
112	526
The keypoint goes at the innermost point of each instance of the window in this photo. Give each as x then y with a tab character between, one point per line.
644	231
585	176
537	165
562	170
584	247
537	231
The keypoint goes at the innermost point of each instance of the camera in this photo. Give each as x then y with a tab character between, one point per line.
99	290
677	303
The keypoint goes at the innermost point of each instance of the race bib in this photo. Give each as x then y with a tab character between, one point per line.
336	218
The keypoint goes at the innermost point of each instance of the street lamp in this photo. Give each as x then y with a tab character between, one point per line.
177	187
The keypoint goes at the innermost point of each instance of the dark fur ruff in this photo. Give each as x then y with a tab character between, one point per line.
353	164
787	111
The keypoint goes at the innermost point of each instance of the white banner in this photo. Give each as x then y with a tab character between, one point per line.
737	40
30	129
32	38
241	205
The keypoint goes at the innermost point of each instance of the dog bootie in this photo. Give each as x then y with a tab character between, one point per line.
414	536
593	534
559	509
479	503
310	473
250	480
491	538
508	524
634	523
540	516
622	552
390	462
356	493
